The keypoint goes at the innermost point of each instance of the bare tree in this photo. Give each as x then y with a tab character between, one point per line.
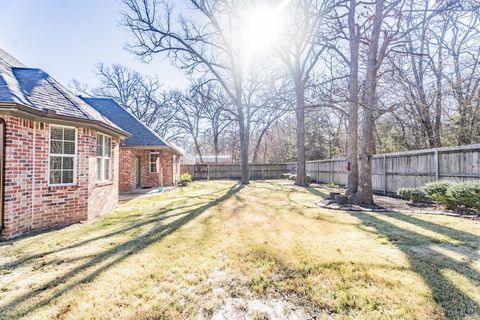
213	104
300	53
464	50
188	115
141	96
205	44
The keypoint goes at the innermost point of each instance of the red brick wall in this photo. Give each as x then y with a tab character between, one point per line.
147	179
29	202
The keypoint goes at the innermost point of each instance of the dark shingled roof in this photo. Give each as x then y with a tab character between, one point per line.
36	89
141	135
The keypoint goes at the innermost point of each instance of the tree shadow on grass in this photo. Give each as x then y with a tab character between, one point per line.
316	192
430	264
29	302
134	225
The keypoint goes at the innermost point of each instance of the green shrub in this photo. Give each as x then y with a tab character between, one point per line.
186	178
464	194
415	195
333	185
437	191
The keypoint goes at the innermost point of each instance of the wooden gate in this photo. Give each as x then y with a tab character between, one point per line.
200	172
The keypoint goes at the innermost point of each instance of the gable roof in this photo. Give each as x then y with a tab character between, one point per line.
141	135
42	95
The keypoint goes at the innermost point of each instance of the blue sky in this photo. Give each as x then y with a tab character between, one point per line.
67	38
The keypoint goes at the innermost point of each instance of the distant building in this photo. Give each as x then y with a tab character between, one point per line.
224	159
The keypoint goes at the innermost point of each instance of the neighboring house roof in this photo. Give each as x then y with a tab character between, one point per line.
42	95
141	135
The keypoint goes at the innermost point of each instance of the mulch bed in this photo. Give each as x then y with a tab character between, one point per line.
392	204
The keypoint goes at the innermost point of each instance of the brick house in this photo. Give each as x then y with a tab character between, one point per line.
146	159
58	155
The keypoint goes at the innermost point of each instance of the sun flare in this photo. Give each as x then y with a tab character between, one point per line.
261	28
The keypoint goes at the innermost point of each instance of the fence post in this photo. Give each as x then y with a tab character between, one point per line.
318	171
331	170
436	164
385	177
208	172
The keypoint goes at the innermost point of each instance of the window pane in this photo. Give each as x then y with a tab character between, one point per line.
107	169
108	146
55	176
67	163
67	176
99	169
55	146
55	163
56	133
153	167
99	145
69	147
69	134
153	162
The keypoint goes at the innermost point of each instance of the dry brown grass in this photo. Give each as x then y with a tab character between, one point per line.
185	253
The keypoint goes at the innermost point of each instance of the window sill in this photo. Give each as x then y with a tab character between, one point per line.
59	185
103	183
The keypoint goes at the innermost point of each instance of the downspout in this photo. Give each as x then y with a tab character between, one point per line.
33	172
3	130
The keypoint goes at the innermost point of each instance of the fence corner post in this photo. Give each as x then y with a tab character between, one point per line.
436	164
331	170
385	175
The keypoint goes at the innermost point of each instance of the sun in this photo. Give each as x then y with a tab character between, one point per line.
261	29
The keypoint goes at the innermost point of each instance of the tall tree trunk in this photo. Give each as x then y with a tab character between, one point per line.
259	141
244	139
301	179
199	151
215	146
352	151
365	191
438	99
464	129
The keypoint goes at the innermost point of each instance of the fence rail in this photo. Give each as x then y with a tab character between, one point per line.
390	171
258	171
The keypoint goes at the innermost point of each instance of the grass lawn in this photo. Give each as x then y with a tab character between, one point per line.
216	249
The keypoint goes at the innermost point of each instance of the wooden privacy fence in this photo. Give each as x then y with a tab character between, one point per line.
258	171
392	171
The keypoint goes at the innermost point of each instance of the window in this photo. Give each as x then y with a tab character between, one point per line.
174	164
104	152
154	156
62	155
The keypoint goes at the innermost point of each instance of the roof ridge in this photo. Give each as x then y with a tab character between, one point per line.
10	60
54	84
132	115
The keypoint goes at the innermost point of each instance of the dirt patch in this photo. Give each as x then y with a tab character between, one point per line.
259	309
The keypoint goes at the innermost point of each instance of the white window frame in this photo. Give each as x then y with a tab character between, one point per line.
74	156
103	158
157	163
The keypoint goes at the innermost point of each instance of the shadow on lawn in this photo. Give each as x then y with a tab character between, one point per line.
101	262
157	218
316	192
428	263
